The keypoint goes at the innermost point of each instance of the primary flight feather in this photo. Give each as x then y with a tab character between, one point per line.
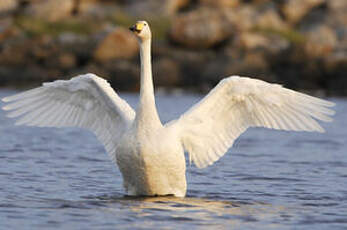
150	155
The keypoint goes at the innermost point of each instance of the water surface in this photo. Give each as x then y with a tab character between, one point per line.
62	178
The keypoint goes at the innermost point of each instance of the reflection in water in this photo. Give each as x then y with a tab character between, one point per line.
210	213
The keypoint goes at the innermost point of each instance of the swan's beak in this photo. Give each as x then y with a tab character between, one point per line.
137	28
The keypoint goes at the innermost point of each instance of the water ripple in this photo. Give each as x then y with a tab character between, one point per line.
62	178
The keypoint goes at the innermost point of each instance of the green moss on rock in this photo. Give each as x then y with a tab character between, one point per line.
36	27
290	35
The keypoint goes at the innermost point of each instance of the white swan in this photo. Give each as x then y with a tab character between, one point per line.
151	155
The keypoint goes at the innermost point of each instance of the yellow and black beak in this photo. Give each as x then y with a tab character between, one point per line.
137	28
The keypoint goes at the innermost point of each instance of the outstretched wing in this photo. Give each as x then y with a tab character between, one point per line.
210	127
85	101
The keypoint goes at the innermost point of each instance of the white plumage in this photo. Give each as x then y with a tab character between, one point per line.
209	128
85	101
151	155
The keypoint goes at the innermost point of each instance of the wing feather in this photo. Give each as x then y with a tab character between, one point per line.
85	101
26	94
211	126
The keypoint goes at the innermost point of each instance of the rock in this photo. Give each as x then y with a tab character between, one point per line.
337	19
250	40
271	44
214	70
270	19
7	30
335	61
336	68
300	43
42	48
27	75
86	6
161	8
173	6
120	43
261	1
220	3
246	17
295	10
14	53
72	38
7	6
320	41
122	74
201	28
190	64
166	73
67	60
51	10
253	63
258	63
337	4
242	18
96	9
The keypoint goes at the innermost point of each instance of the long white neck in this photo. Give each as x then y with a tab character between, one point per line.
146	114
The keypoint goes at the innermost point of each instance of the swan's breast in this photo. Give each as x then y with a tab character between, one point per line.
152	164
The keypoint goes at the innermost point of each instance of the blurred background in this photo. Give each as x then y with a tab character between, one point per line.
301	44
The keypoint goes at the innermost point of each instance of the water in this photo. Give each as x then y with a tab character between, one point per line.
62	178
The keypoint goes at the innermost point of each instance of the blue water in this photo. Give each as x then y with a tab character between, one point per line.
62	178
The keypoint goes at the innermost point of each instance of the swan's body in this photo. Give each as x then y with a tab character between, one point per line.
151	155
157	162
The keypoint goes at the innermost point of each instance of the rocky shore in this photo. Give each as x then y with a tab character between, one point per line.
301	44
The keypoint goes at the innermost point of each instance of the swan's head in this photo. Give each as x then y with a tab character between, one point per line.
141	30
